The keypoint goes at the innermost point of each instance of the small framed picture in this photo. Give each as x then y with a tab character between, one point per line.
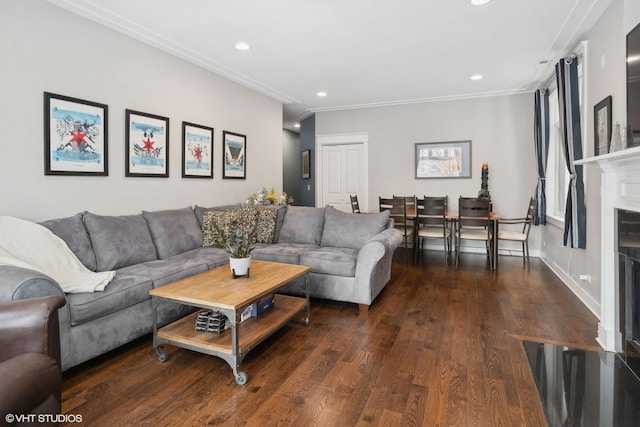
197	151
75	136
234	155
602	126
146	145
306	164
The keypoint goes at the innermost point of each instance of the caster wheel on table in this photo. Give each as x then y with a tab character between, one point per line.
162	356
241	378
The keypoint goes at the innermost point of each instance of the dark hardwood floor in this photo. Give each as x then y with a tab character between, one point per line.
441	345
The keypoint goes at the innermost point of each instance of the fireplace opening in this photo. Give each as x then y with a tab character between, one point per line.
628	243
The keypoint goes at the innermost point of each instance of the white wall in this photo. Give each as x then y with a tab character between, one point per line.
501	131
45	48
605	76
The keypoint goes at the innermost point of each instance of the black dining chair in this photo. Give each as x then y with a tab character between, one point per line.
431	222
355	206
397	208
474	223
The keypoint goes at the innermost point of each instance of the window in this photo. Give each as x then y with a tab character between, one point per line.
557	175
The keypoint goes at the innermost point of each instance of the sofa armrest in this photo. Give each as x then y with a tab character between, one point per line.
21	283
375	249
30	326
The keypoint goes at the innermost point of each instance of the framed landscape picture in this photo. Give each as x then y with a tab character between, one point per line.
443	159
234	155
146	144
75	136
197	151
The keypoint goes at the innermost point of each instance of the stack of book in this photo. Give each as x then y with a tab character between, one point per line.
211	321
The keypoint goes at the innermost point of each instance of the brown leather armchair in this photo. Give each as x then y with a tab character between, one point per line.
30	374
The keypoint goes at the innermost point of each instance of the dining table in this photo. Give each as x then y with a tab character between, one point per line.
452	217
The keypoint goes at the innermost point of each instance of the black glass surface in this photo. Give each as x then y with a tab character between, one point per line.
584	388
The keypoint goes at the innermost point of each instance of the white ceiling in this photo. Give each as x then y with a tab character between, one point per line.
361	52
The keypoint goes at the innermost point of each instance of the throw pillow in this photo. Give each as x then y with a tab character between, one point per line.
174	231
244	217
349	230
266	225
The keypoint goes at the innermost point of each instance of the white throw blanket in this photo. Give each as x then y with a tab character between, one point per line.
30	245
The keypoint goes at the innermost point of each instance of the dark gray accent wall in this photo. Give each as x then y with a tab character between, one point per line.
308	142
291	164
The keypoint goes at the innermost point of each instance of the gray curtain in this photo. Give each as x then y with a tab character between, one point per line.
541	136
575	215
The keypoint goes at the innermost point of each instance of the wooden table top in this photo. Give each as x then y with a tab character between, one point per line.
216	287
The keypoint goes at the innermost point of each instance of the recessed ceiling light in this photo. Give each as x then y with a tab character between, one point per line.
242	46
322	94
297	125
476	77
479	2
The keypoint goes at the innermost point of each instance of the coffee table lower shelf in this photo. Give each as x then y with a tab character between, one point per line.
233	344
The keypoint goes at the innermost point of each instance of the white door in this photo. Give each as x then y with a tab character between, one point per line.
343	174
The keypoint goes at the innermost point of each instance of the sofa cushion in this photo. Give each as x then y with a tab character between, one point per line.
122	292
174	231
211	257
288	253
302	224
349	230
245	218
334	261
119	241
162	271
72	231
200	210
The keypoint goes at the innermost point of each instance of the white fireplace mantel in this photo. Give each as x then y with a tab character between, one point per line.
620	189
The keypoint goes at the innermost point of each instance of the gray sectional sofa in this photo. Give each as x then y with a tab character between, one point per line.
350	256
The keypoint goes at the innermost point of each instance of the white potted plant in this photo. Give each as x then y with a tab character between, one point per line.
239	245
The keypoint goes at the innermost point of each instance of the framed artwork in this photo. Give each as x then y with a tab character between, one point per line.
443	159
602	126
146	145
306	164
75	136
234	155
197	151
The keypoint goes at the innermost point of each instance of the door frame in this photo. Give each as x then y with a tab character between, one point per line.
356	138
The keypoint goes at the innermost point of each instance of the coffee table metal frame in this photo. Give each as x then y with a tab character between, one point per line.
182	332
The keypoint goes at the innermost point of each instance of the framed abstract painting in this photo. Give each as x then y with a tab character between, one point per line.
146	144
197	151
75	136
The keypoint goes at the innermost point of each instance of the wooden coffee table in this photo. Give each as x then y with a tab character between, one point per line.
217	290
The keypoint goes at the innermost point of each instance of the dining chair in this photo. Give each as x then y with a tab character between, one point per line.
397	207
431	222
410	203
474	223
521	236
355	206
